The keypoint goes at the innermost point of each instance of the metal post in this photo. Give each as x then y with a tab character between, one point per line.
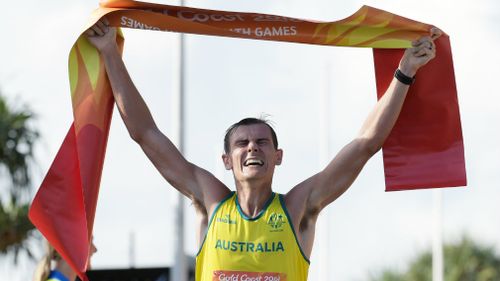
179	268
437	242
324	157
131	249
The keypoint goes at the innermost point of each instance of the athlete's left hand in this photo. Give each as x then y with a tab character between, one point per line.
423	51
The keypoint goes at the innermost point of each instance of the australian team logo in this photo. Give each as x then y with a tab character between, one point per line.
276	222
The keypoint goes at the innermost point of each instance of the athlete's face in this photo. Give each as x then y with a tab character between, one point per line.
252	154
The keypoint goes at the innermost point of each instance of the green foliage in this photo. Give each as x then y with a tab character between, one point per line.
463	261
17	140
15	229
474	262
16	146
388	275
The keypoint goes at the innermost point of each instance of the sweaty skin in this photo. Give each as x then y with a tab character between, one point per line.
252	156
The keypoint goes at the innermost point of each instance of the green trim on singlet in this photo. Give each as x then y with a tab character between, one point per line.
283	206
212	218
266	205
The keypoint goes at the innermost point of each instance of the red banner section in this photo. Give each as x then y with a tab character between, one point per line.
425	148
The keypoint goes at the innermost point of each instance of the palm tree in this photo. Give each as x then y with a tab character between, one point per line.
17	140
463	261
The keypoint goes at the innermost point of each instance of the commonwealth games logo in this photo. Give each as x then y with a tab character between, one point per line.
276	221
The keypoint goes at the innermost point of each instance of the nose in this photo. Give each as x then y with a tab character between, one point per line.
252	147
93	248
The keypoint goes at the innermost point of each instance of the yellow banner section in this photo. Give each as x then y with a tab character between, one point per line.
368	27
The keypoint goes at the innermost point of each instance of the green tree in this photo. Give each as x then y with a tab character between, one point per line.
463	261
17	139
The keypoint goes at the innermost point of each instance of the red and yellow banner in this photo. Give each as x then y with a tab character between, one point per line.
424	150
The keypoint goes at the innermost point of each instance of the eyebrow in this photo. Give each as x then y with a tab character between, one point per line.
246	139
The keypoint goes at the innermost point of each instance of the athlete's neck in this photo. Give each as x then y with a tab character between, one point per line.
252	198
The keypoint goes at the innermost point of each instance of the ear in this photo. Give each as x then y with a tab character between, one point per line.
228	164
279	156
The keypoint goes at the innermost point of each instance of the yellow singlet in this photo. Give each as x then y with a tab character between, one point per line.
238	248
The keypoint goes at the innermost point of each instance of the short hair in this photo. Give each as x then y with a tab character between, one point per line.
246	122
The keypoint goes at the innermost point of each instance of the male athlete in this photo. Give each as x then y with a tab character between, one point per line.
254	234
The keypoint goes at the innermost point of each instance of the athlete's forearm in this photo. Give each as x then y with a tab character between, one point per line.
382	118
132	108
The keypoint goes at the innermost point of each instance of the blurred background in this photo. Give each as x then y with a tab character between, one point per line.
367	234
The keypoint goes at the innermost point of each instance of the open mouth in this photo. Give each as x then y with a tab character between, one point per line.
253	162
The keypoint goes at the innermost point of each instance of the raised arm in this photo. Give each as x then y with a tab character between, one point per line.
308	198
195	183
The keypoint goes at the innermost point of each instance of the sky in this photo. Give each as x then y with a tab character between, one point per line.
229	79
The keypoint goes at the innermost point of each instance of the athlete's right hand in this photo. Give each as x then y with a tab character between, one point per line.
101	35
